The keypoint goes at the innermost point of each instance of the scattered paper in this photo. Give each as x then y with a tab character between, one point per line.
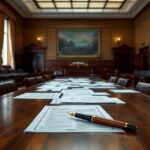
124	91
38	96
77	91
56	119
67	99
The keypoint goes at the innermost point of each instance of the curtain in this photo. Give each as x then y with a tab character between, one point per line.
1	35
11	45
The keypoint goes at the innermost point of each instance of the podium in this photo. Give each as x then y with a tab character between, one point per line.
78	69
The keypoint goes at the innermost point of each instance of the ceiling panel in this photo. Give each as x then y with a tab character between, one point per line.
78	8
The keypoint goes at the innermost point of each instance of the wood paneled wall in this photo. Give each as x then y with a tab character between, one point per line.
99	67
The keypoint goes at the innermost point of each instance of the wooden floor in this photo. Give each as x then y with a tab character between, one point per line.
16	115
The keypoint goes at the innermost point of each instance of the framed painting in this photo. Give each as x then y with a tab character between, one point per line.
78	43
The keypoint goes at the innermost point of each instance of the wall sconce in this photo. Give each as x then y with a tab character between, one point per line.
39	39
118	40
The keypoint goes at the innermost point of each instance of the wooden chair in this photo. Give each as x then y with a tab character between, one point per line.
58	73
47	76
147	76
6	87
112	79
123	82
39	79
143	87
30	81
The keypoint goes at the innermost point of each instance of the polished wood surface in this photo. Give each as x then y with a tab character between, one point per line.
16	115
79	71
99	67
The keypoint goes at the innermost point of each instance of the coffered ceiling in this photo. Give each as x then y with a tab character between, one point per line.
78	8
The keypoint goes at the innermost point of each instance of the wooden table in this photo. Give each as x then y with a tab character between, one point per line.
16	115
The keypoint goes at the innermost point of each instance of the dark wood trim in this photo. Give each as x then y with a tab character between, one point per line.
98	67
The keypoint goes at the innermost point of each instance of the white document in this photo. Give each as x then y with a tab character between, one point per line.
100	84
67	99
56	119
51	87
38	96
81	81
85	84
74	85
77	92
59	88
107	84
100	93
124	91
61	79
47	86
101	87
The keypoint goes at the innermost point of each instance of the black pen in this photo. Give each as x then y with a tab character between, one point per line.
99	120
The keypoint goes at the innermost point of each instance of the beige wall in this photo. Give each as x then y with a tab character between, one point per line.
109	29
142	29
132	32
4	8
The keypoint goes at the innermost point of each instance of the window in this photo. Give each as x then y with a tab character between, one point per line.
7	53
5	43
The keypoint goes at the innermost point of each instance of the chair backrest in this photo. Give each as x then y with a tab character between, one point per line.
123	82
112	79
147	74
39	79
6	87
58	73
143	87
30	81
47	76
